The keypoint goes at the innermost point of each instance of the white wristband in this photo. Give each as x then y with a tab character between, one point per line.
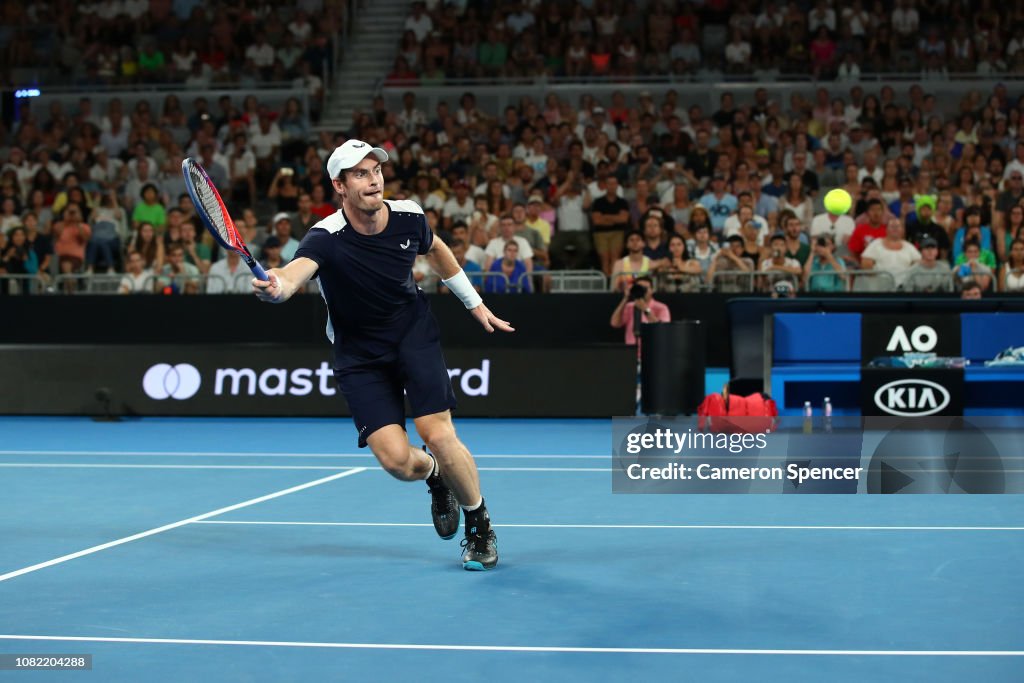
459	283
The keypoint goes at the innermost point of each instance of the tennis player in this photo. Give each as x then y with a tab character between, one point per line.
386	340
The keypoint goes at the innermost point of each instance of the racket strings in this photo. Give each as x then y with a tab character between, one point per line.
210	203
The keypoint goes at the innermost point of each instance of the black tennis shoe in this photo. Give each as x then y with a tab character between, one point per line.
481	548
444	509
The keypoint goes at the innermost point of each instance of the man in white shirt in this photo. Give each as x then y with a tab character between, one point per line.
871	168
839	228
229	276
419	22
496	247
520	19
410	118
745	213
460	233
905	22
261	52
460	207
893	255
138	279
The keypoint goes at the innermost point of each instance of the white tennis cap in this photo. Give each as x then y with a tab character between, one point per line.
351	153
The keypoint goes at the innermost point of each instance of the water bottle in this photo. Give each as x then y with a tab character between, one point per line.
808	414
828	415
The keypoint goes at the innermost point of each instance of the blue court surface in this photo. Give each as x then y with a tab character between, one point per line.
271	550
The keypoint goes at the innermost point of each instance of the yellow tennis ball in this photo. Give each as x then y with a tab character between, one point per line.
838	201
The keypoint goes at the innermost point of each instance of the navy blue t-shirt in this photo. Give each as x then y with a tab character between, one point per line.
367	280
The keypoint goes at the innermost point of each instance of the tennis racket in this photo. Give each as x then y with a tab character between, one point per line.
215	216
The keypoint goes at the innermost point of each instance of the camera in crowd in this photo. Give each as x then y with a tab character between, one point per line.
637	292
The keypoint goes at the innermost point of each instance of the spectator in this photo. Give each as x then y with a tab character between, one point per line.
639	293
609	219
778	266
178	274
731	260
419	22
892	255
973	230
460	207
931	274
796	239
150	209
197	252
506	232
976	265
534	221
71	234
39	241
137	279
229	275
147	244
701	248
921	226
796	199
839	228
718	203
19	258
1011	274
655	237
679	272
870	229
823	272
633	265
971	290
270	254
108	225
512	268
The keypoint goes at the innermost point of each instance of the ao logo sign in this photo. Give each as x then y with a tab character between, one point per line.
923	338
179	381
911	397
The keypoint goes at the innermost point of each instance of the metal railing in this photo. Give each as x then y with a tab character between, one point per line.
733	281
679	282
867	281
945	281
573	281
543	281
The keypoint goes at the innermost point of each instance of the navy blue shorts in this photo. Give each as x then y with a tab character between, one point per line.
374	390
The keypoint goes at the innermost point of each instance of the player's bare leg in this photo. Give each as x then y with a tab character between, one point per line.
459	471
390	445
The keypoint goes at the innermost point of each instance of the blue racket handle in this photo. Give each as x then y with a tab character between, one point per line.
260	274
258	271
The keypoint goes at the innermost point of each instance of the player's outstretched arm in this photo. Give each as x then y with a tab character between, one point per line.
454	278
285	281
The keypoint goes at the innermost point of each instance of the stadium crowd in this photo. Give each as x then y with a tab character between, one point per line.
708	40
188	42
629	185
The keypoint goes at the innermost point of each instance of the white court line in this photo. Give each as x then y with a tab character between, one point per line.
531	648
243	454
648	526
130	466
175	525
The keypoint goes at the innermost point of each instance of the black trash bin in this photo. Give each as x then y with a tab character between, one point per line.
672	367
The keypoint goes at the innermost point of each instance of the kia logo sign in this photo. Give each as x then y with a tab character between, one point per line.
164	381
911	397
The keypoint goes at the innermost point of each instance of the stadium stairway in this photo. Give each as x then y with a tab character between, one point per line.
368	58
